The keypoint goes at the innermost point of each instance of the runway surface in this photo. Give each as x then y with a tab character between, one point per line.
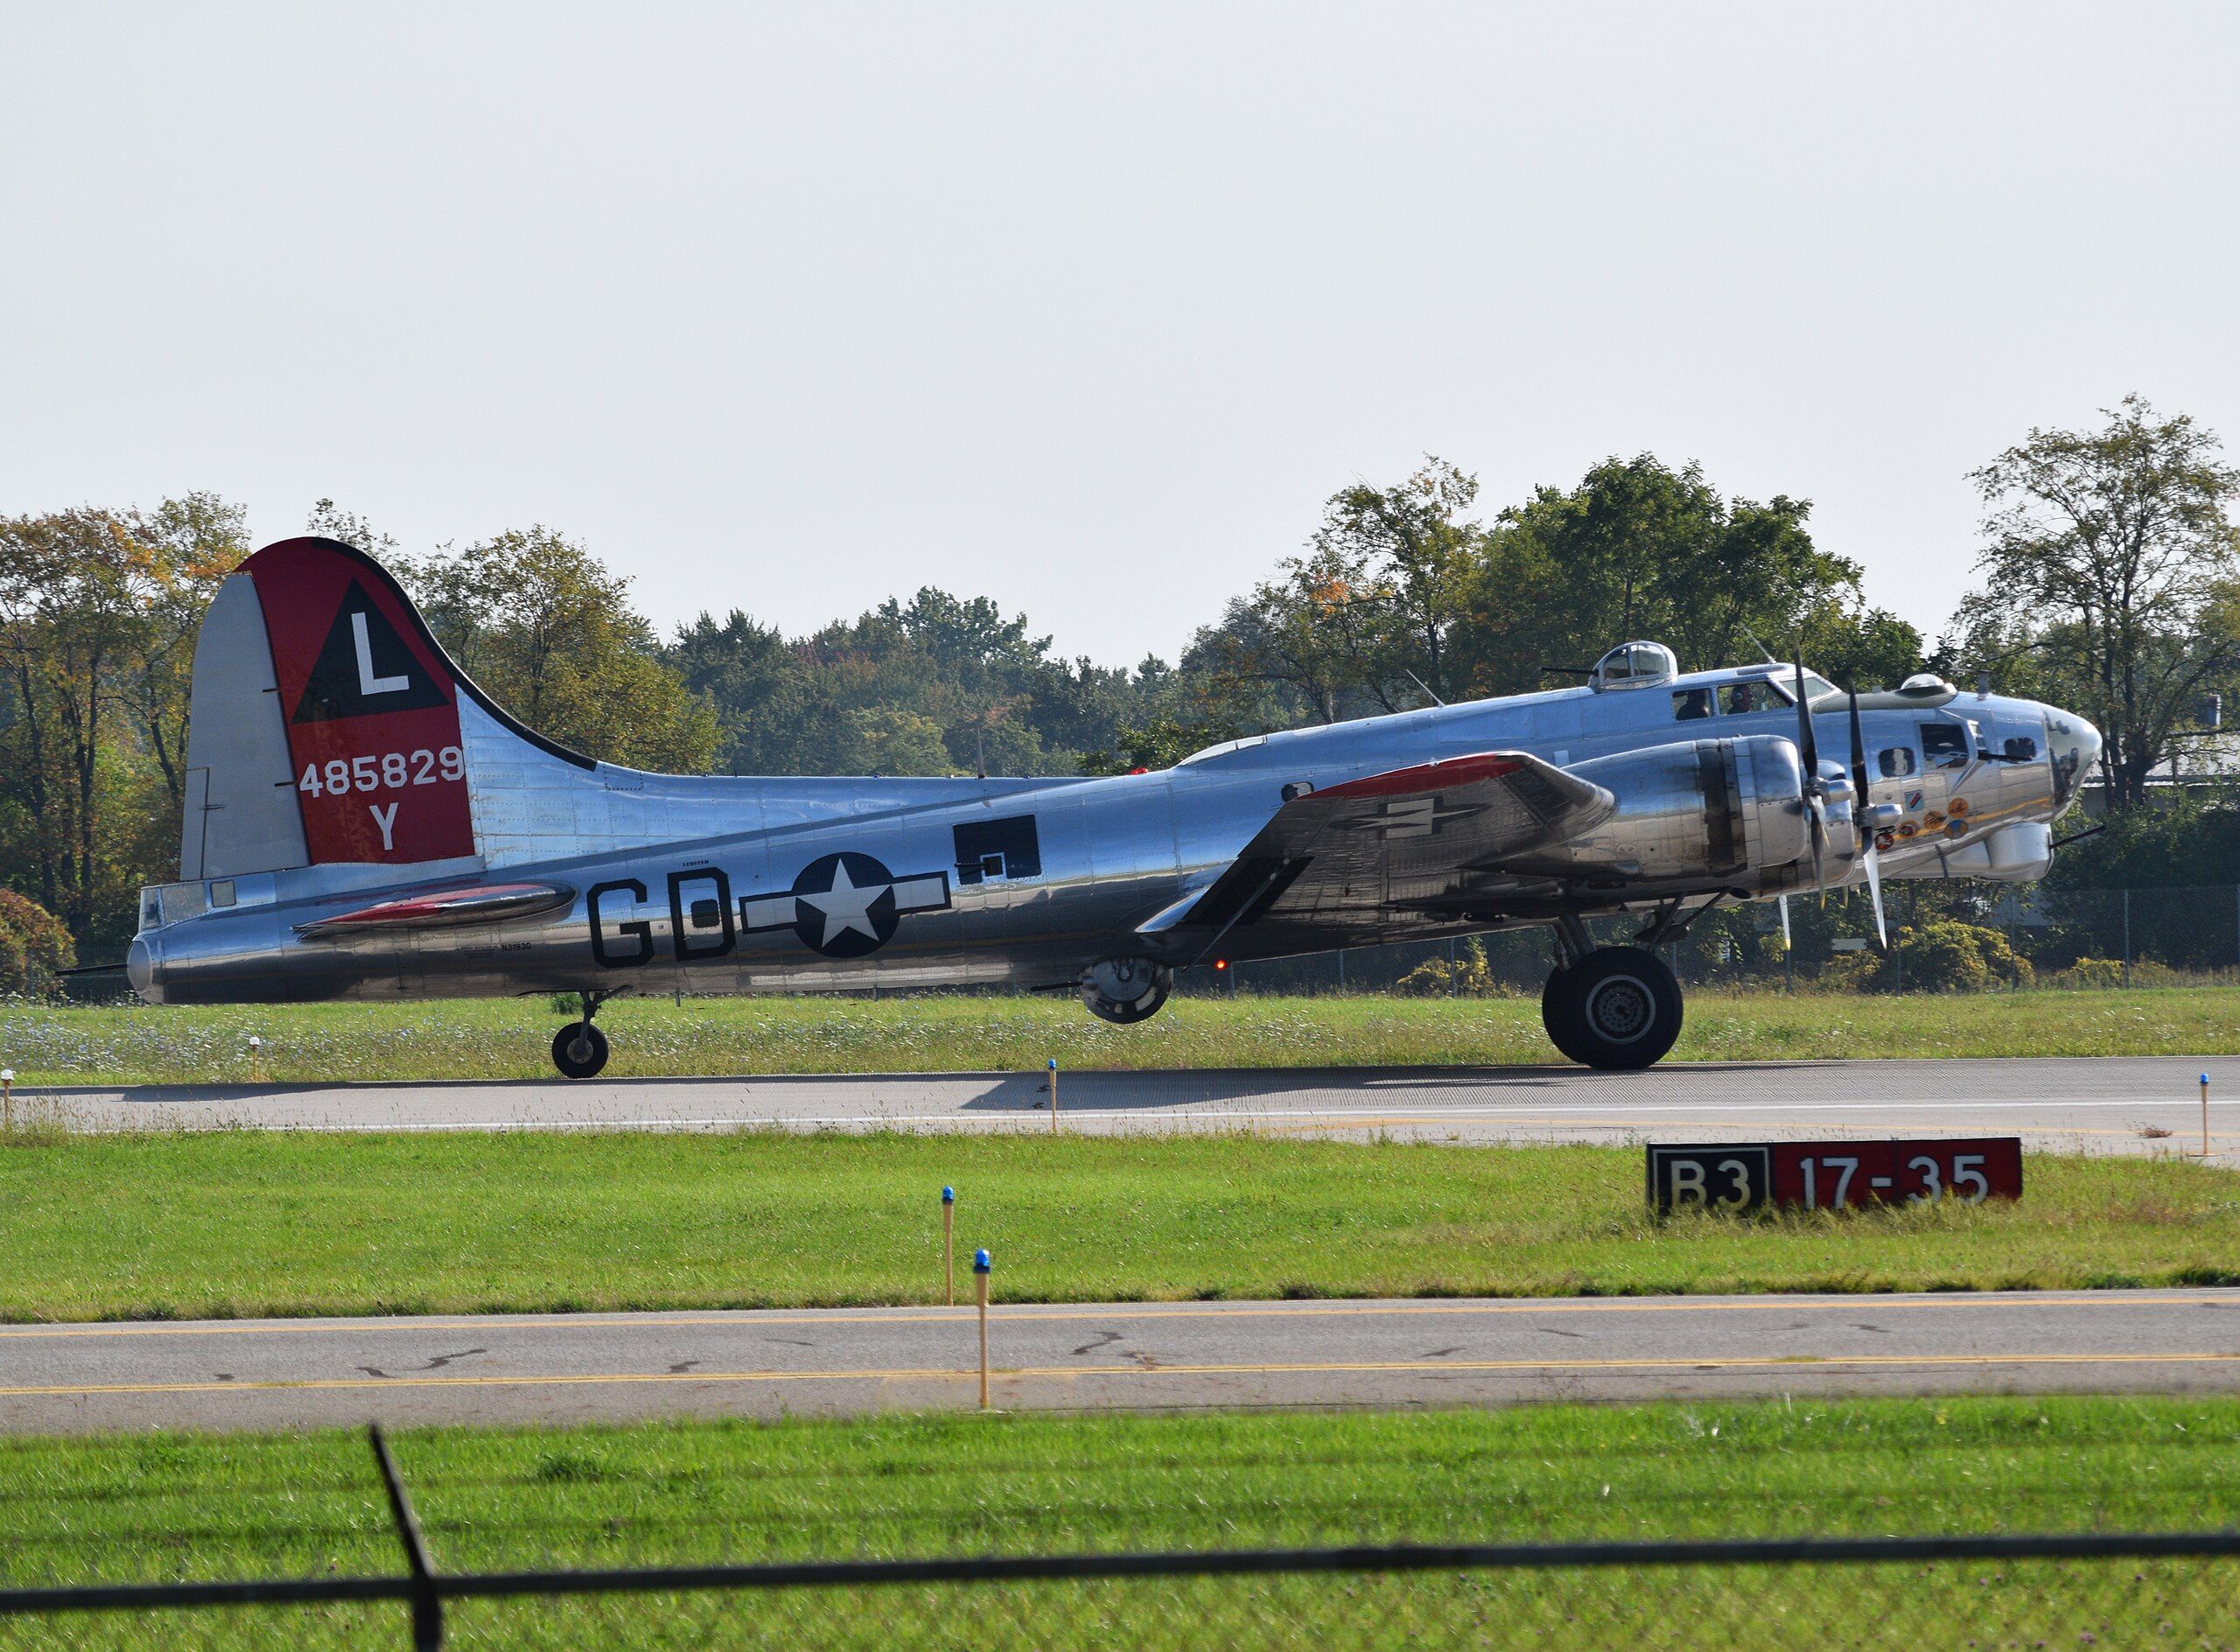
561	1368
2100	1104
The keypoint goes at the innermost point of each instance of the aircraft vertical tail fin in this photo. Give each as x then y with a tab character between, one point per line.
324	723
240	814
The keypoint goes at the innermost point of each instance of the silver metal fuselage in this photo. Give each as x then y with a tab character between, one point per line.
695	883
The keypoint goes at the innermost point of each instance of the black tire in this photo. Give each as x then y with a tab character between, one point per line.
1556	1007
1618	1009
1126	1014
579	1050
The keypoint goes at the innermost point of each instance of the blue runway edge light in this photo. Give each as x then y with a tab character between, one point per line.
980	1263
1054	1063
949	1195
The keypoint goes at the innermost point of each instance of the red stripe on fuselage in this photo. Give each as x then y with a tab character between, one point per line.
1427	777
484	902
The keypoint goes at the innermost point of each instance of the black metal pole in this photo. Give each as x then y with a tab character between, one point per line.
427	1603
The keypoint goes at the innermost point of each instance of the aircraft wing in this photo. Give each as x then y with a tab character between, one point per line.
1395	848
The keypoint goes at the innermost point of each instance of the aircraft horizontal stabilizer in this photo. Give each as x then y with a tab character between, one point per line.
1352	855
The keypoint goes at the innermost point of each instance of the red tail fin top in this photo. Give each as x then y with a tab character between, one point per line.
371	708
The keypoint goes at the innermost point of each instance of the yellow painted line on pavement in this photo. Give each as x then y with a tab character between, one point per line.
1347	1367
891	1319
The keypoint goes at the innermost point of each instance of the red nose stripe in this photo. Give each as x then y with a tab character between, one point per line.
1429	777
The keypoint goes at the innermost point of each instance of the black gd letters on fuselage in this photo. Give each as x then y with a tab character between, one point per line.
693	912
842	905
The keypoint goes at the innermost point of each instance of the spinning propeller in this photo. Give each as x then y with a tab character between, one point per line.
1814	794
1870	850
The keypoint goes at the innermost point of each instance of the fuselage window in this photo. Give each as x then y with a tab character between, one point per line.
1944	744
1690	703
1896	762
992	850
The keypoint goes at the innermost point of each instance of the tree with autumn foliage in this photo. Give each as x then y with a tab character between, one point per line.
545	629
99	610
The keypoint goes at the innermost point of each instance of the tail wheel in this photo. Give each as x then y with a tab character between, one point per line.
579	1050
1618	1009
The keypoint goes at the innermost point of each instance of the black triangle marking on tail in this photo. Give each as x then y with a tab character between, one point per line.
365	667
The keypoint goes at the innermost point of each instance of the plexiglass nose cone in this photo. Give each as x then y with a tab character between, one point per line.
142	963
2074	745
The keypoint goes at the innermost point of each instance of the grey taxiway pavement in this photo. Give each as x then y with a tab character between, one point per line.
560	1369
2116	1103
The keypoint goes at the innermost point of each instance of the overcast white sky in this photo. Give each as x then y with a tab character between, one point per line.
1089	310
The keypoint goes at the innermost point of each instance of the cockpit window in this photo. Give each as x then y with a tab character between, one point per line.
1691	703
1944	744
1784	688
1740	699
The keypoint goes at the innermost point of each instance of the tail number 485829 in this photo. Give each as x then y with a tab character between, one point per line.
391	771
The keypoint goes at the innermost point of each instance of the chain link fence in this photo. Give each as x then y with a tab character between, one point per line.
1337	1548
2119	1591
1946	937
1641	1602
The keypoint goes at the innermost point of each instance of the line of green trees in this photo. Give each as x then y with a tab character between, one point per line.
2110	585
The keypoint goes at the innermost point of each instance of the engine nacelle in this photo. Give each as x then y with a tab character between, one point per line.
1698	808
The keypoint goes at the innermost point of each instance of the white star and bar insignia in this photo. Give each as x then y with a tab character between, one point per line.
845	905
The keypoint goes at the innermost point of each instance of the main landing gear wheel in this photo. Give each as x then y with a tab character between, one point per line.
1555	1005
1126	990
1618	1009
579	1050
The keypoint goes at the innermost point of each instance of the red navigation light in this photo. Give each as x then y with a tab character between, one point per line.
1220	963
1139	769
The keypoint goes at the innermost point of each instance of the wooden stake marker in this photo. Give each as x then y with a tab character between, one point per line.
948	1244
980	1270
1053	1095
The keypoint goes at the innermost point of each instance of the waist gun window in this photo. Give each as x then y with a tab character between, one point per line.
1944	744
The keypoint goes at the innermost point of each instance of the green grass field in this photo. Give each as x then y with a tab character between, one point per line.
508	1038
175	1508
244	1223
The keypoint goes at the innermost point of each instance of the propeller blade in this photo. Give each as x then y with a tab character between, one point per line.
1874	893
1812	792
1858	758
1807	745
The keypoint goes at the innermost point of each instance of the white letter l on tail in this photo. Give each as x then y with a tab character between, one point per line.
367	682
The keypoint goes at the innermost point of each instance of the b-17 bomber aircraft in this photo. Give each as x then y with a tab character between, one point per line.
362	822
